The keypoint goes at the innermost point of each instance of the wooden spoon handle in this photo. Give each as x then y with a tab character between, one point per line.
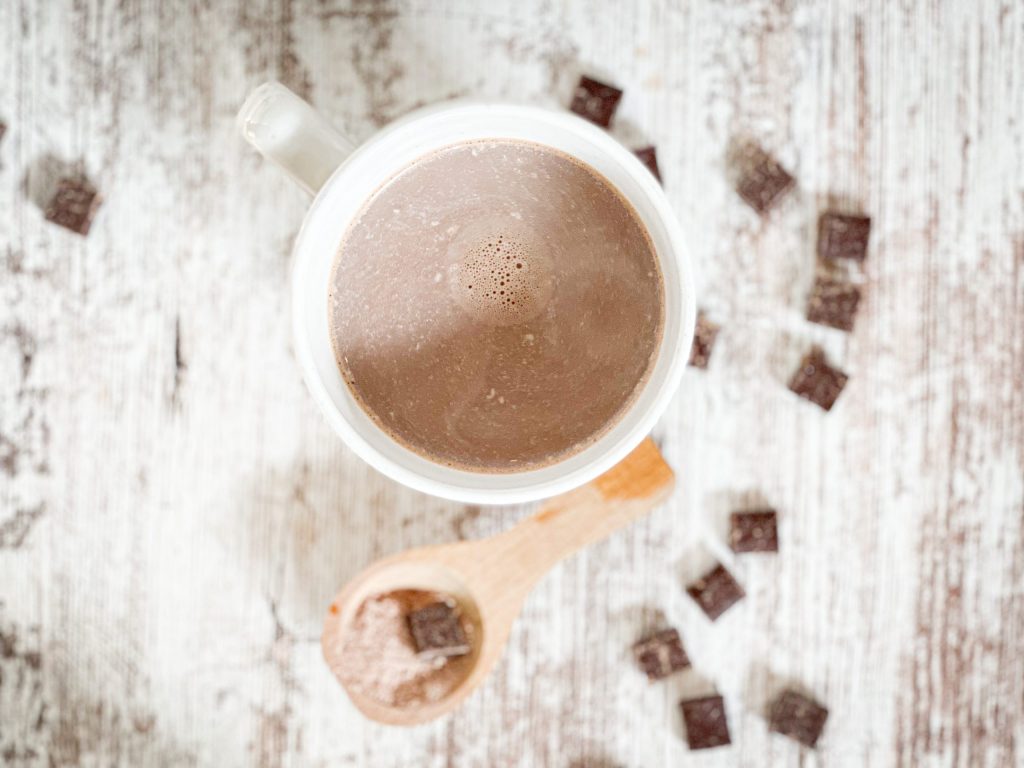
567	523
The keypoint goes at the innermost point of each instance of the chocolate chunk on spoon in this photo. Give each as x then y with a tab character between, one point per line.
437	632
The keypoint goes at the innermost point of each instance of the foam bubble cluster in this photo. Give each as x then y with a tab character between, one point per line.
500	278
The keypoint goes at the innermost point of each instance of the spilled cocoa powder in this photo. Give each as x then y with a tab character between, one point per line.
373	653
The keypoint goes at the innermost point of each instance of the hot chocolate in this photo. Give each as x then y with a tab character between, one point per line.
496	306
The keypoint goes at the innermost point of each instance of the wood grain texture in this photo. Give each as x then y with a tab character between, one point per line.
175	515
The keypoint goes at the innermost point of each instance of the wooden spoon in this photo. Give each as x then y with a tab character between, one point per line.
492	577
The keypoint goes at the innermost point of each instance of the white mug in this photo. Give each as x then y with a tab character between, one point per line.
342	177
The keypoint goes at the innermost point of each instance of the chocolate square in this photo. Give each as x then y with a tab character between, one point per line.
716	591
437	632
74	205
661	654
704	336
649	157
706	723
596	101
753	531
843	237
833	302
817	381
763	182
794	715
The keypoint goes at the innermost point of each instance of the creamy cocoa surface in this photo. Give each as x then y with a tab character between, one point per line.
496	306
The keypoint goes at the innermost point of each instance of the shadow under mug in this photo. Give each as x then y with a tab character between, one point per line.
341	177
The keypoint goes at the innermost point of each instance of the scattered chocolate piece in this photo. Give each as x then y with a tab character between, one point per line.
706	724
3	129
596	101
754	531
704	336
437	632
843	237
661	654
833	302
74	205
762	181
716	591
649	157
794	715
817	381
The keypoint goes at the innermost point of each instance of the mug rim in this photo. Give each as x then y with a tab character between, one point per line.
612	454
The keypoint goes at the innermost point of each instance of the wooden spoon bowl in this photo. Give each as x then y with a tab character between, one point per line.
491	578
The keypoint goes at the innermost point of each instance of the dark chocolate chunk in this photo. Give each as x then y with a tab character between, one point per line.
817	381
3	129
74	205
762	181
843	237
794	715
753	531
437	631
706	723
596	101
649	157
716	591
661	654
833	302
704	336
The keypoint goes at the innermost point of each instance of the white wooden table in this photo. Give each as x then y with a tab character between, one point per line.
175	515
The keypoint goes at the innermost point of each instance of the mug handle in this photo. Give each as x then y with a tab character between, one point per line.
286	130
